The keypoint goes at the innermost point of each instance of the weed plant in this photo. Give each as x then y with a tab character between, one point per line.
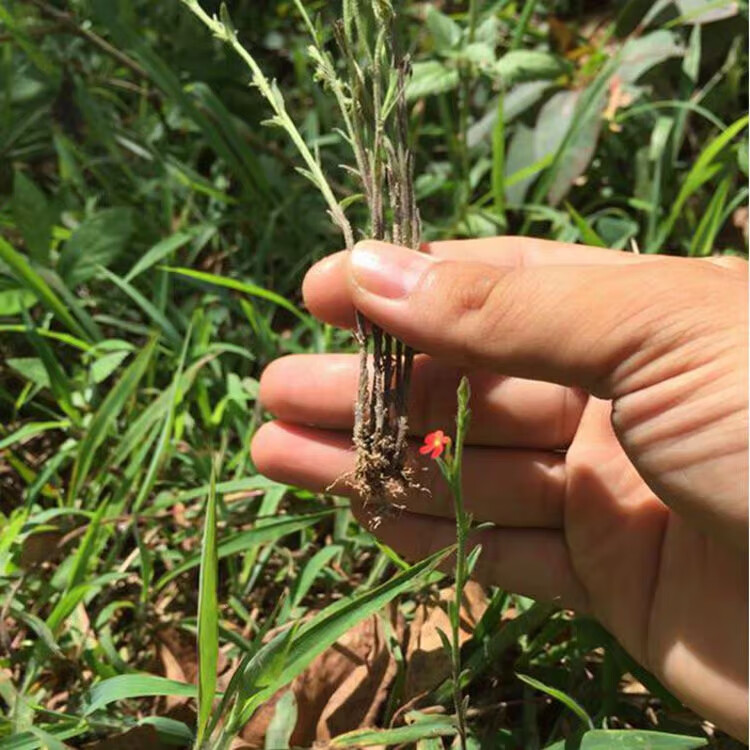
149	270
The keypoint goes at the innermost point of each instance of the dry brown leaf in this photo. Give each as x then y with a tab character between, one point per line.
40	548
427	664
341	690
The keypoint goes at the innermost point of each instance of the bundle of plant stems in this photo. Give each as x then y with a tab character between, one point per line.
368	79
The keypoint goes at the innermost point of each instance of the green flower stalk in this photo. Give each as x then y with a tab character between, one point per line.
451	468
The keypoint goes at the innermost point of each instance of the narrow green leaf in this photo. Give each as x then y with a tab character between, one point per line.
588	233
208	616
566	700
331	623
703	169
435	726
158	252
241	286
702	243
32	281
246	540
126	686
175	396
156	315
30	430
87	548
106	416
281	726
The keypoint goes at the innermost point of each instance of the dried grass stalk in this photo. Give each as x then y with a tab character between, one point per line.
368	80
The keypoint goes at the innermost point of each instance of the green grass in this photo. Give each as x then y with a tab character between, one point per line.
153	240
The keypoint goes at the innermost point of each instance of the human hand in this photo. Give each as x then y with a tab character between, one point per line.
608	444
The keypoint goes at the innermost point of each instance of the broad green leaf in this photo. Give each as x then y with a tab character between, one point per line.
429	78
126	686
446	33
519	66
33	217
31	368
106	416
12	301
565	699
632	739
98	241
34	283
208	616
583	112
435	726
245	540
571	135
706	11
107	365
642	53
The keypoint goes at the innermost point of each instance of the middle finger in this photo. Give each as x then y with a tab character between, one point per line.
320	390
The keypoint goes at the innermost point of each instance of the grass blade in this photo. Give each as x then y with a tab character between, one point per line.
32	281
268	532
147	306
105	417
30	430
208	616
566	700
127	686
434	726
242	286
702	171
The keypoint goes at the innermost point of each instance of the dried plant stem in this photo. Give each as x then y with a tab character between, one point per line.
372	102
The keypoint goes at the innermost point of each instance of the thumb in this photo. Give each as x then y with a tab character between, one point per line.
593	326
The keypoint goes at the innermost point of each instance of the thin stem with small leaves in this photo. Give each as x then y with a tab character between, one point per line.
223	30
451	468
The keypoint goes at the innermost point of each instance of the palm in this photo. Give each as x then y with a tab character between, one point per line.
659	584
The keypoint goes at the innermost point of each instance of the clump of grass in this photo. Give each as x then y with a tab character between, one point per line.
371	98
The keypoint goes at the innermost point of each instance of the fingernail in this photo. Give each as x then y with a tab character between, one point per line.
387	270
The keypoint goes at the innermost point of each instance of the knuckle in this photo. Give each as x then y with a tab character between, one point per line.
478	307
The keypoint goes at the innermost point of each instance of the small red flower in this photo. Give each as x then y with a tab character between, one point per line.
435	443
